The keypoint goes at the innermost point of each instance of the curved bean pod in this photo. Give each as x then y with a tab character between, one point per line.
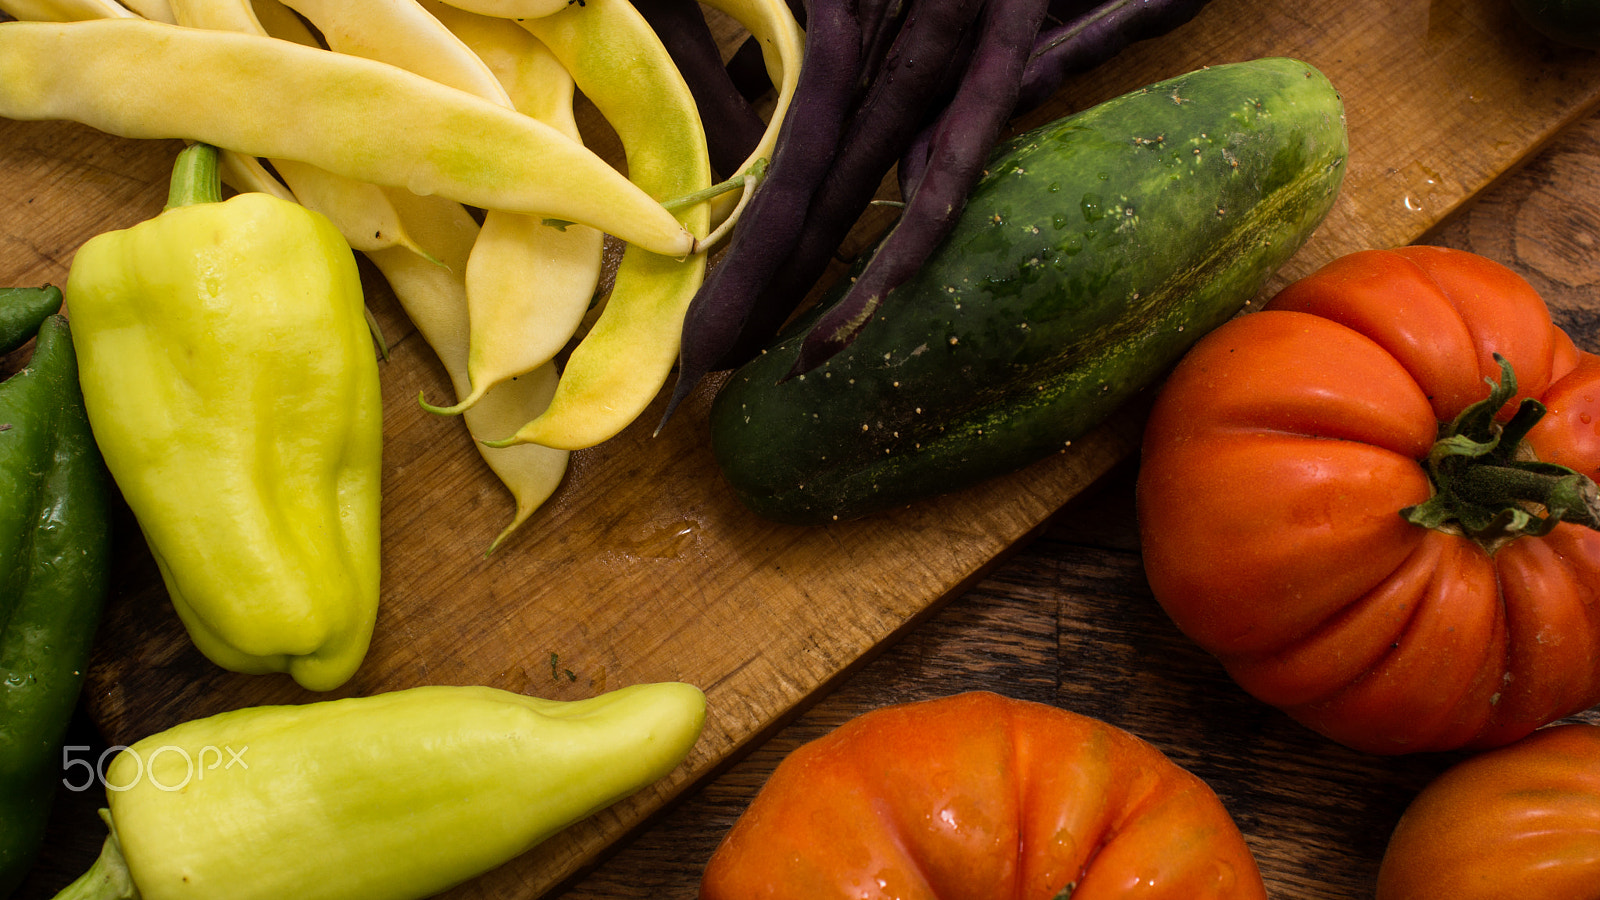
528	282
778	36
622	363
432	291
360	211
775	216
1093	37
64	10
906	92
967	131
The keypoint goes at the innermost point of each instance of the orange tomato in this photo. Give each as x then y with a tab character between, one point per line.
1521	821
1275	465
980	797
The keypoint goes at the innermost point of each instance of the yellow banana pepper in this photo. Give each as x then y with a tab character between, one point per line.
233	390
389	797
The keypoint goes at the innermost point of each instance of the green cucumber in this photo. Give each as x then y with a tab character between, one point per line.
1092	254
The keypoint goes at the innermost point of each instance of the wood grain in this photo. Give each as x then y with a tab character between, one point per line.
644	567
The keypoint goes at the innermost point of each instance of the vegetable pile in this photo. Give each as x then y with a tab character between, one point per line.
441	143
928	86
1365	535
476	198
1094	251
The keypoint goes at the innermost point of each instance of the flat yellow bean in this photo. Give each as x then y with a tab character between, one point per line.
528	283
401	33
365	120
433	294
64	10
360	211
154	10
512	9
621	364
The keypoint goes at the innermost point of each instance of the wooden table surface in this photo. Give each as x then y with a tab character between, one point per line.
1069	620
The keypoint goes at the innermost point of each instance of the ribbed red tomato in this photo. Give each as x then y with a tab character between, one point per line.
1275	468
1521	821
980	797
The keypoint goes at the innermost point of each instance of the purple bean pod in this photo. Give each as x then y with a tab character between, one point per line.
910	88
1086	41
962	141
772	221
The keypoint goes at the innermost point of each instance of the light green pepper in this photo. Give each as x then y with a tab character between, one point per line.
389	797
233	390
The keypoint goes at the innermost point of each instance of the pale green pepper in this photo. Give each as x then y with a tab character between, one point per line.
389	797
232	386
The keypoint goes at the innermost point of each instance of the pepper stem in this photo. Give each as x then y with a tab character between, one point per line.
108	878
1486	487
196	177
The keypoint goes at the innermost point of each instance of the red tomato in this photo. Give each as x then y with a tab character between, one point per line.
1275	465
1522	821
979	797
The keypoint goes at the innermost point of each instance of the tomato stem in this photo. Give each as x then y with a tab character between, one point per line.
1485	485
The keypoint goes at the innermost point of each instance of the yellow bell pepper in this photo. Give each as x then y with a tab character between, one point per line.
232	386
394	796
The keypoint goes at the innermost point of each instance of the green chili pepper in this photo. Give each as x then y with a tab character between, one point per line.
388	797
22	310
54	565
232	385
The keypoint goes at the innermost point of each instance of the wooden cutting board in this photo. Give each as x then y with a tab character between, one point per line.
644	567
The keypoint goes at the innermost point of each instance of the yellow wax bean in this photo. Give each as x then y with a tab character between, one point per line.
365	120
528	283
155	10
782	44
515	256
512	9
246	173
64	10
360	211
433	294
622	363
218	15
401	33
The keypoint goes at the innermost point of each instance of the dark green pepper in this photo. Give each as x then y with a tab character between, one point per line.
21	312
54	574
